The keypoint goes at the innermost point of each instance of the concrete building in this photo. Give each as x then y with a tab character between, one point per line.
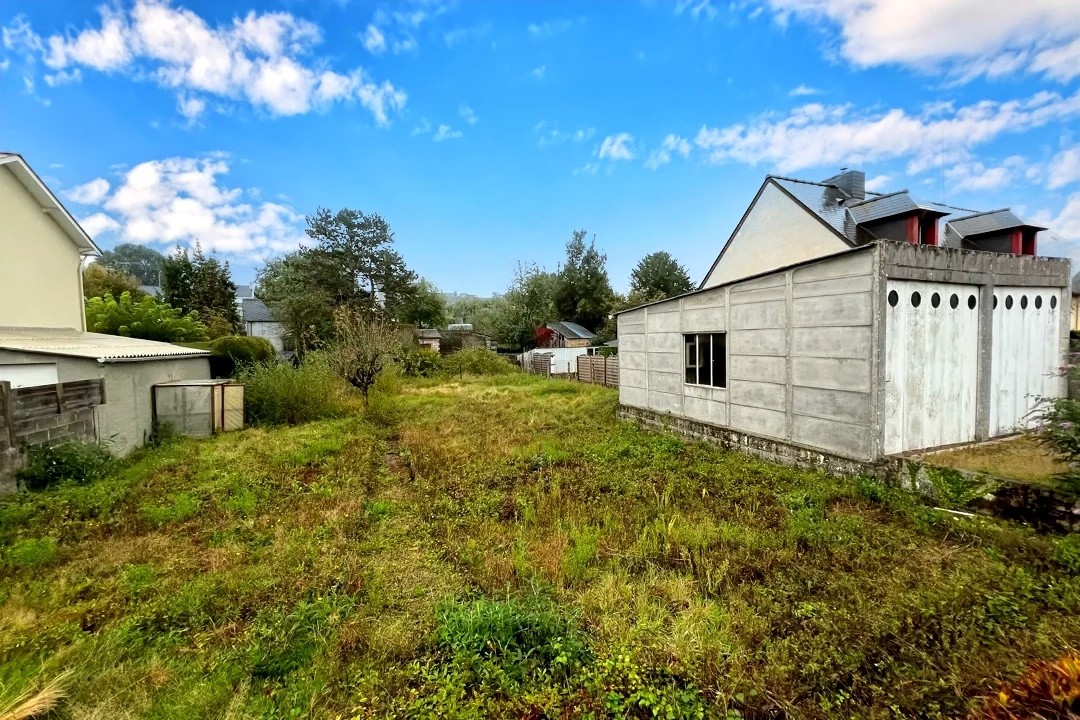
428	338
259	321
868	348
43	338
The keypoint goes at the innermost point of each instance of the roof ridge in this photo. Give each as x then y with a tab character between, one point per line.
864	201
980	214
805	182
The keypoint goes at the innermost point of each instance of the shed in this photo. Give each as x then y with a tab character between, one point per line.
568	334
844	360
129	368
199	408
429	338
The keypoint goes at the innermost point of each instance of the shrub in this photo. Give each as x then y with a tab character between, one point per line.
33	552
421	363
146	318
276	393
1059	430
384	403
476	361
233	352
79	462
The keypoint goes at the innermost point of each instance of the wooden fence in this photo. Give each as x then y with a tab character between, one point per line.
598	369
44	415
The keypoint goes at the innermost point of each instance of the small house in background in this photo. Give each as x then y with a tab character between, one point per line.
259	321
428	338
565	334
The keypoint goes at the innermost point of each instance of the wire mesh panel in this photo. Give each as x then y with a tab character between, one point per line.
187	409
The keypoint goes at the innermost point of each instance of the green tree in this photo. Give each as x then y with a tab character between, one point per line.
365	345
528	304
480	312
145	318
99	281
424	306
583	292
199	283
657	277
139	261
351	264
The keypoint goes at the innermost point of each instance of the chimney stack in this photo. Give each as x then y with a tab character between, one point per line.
852	182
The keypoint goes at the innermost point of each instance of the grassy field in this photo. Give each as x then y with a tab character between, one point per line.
1020	458
504	547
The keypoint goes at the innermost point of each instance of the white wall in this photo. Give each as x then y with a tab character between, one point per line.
563	360
775	233
40	272
799	356
274	332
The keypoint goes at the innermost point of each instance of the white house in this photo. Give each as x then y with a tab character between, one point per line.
835	329
259	322
43	338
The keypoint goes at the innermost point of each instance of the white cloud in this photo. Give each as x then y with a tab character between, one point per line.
662	155
261	59
551	134
976	176
460	35
587	169
374	40
1064	169
98	224
180	201
468	114
445	132
819	136
617	147
697	8
877	183
422	128
90	193
803	91
551	28
190	107
967	37
539	72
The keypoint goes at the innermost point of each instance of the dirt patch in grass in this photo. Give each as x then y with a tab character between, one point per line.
1019	458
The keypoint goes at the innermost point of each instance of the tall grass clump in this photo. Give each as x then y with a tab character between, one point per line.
384	406
276	393
476	361
75	462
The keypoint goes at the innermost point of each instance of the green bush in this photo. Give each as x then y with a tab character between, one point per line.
1059	430
146	318
276	393
79	462
384	401
421	363
476	361
33	553
231	353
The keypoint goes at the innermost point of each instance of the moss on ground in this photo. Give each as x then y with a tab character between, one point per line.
509	549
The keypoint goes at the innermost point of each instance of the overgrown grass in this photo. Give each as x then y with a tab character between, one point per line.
1020	458
501	546
276	393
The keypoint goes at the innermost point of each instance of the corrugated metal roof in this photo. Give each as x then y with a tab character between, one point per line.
988	222
571	330
255	310
94	346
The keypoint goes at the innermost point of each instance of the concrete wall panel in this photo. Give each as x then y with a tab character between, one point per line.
667	362
832	310
704	320
760	315
851	407
834	286
859	263
758	421
665	382
631	360
831	374
631	378
842	438
757	342
771	396
665	341
631	343
666	321
636	396
832	342
762	369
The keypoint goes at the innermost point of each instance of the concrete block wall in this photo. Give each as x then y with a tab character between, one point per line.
800	356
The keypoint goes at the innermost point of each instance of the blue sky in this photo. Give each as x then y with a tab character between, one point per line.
485	132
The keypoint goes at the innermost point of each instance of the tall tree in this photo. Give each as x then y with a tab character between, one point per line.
423	307
527	304
583	292
657	277
351	263
139	261
99	281
204	284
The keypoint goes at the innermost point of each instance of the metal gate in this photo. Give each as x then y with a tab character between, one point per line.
1025	357
931	364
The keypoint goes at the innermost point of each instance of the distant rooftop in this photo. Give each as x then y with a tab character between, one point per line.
571	330
93	346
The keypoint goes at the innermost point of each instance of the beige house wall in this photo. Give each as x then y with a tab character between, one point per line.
40	267
777	232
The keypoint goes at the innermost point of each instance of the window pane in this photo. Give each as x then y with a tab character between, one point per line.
691	358
704	359
719	360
